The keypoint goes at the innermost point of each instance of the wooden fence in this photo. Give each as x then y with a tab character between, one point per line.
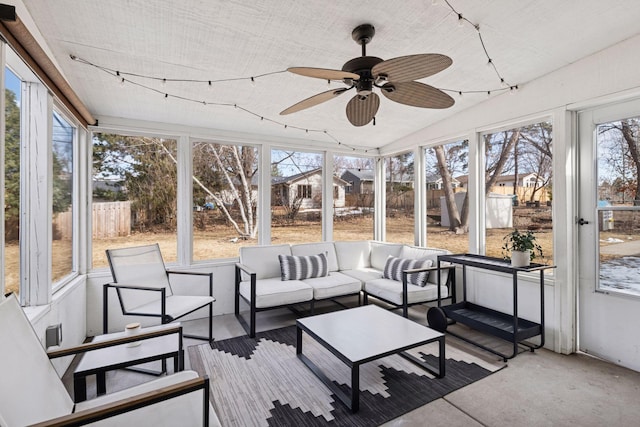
110	219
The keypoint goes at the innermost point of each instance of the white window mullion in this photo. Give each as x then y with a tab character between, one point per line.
36	188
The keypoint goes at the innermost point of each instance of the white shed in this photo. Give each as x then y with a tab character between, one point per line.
498	213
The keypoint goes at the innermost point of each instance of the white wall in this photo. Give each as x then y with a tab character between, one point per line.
67	308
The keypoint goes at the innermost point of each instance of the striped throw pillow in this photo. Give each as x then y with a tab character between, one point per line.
303	267
395	266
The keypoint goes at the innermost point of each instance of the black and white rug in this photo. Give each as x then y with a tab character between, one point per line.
261	382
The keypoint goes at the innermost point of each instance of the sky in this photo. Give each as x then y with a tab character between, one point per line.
12	82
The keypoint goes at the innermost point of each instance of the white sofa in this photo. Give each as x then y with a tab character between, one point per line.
352	268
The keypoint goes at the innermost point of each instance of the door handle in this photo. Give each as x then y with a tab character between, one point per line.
581	221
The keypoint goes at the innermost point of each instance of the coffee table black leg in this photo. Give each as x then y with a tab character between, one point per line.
441	358
355	388
298	340
101	383
79	388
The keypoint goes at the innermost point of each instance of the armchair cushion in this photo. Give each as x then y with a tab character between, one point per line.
303	267
395	266
175	305
183	410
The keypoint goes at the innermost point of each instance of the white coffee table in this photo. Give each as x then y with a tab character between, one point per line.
165	342
360	335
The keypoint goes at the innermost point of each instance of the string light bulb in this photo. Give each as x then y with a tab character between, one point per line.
210	86
460	20
253	82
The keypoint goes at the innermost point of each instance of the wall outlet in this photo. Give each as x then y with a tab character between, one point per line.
53	335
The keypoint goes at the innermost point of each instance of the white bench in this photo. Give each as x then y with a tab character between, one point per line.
353	268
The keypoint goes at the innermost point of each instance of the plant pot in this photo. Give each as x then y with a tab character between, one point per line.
520	259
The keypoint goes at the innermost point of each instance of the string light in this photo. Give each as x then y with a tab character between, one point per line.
461	21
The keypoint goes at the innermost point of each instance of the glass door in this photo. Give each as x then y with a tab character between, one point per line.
609	234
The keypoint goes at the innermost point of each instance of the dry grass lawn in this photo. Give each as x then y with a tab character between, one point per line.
219	241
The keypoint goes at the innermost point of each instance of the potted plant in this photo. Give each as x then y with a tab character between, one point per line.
522	246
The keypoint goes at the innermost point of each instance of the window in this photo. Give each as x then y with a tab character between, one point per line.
134	194
400	199
352	208
12	95
304	191
225	195
446	168
63	142
618	205
510	157
296	197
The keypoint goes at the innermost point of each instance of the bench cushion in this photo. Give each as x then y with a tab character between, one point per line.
275	292
334	285
391	290
424	254
326	248
364	274
380	251
353	254
263	260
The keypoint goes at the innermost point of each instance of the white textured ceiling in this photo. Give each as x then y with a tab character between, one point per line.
227	39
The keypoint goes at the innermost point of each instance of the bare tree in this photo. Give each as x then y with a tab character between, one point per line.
458	222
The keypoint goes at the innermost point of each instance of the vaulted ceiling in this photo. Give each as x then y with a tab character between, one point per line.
230	41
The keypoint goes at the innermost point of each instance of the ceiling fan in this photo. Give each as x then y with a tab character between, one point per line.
394	77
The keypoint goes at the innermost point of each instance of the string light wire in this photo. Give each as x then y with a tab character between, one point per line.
126	77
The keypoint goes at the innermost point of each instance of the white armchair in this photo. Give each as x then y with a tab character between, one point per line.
31	393
143	288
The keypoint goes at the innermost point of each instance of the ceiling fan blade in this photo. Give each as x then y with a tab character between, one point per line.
314	100
323	73
361	111
412	67
417	94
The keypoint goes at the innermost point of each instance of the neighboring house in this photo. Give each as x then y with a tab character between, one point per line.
360	181
434	182
108	185
308	187
527	182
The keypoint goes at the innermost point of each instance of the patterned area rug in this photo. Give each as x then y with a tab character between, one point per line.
261	382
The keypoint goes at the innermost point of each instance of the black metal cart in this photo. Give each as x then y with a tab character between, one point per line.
508	327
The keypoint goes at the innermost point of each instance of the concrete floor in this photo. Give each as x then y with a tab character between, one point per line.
536	389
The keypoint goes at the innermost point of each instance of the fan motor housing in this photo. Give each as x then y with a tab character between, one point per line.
362	66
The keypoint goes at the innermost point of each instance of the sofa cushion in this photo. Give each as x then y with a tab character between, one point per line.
334	285
364	274
353	254
380	251
303	267
395	266
391	290
326	248
424	254
263	260
274	292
